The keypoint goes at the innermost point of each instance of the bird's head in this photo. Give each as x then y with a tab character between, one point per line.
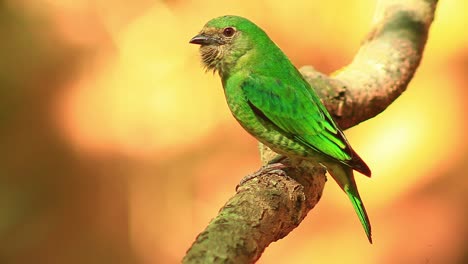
224	40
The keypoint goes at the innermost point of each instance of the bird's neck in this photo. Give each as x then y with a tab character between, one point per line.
257	61
233	61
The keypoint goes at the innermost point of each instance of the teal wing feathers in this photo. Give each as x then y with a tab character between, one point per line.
297	111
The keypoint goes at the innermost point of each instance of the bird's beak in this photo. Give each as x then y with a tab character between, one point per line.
202	39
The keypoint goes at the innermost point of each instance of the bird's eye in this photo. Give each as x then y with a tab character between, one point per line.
229	31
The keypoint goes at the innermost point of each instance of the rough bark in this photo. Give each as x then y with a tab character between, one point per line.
268	207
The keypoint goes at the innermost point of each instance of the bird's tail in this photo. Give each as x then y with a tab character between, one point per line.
344	176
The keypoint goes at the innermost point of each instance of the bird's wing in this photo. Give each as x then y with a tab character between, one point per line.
296	110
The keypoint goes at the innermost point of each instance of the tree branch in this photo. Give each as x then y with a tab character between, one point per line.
268	207
383	66
263	210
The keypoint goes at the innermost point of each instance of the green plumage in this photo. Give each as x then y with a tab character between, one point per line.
275	104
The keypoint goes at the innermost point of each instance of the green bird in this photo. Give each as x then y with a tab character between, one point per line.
275	104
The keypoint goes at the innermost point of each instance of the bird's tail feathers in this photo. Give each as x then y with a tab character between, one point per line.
358	164
344	176
361	212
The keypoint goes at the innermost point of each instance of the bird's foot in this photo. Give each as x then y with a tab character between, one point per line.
270	168
277	159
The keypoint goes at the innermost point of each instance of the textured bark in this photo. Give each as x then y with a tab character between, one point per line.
268	207
383	66
263	210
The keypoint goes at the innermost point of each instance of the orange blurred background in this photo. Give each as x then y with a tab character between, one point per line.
116	147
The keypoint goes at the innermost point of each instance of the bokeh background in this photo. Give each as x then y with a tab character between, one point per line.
116	147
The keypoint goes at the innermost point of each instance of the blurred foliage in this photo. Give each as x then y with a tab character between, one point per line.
49	195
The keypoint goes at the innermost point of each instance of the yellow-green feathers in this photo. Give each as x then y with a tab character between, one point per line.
273	102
